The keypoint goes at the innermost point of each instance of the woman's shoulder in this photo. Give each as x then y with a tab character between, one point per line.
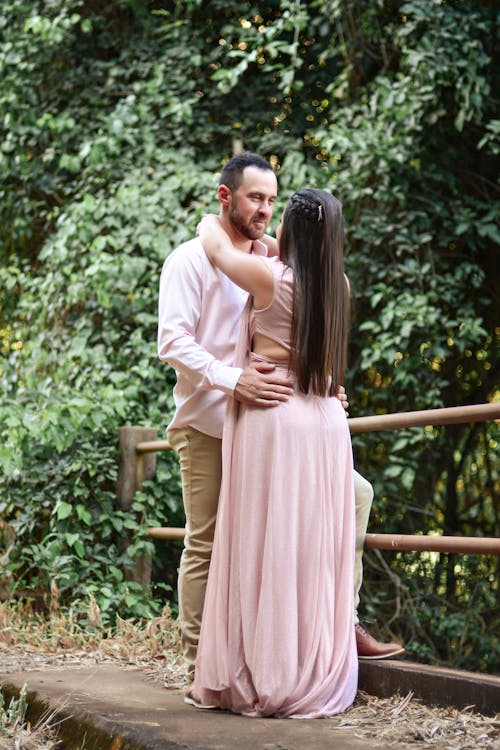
276	265
283	278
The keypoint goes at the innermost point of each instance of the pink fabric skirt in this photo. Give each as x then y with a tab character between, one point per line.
277	636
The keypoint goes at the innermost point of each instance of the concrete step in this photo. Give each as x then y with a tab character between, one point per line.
108	707
112	707
435	686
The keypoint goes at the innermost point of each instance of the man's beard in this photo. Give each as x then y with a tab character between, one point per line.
248	230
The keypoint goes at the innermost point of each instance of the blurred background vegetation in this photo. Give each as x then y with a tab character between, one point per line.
115	119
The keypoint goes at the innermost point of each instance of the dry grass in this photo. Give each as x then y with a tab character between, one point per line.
41	737
17	734
29	641
408	723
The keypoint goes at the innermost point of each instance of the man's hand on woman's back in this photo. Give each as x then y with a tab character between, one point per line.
259	385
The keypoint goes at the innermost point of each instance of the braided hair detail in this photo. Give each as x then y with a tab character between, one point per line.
308	208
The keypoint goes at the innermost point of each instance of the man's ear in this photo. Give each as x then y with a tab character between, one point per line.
225	195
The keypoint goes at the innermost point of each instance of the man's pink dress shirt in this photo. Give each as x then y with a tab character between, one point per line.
199	318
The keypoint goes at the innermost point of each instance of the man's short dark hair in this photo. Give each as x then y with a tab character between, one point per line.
232	172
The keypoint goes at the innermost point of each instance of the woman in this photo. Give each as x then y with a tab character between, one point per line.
277	635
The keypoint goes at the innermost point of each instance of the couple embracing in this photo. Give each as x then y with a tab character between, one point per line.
256	329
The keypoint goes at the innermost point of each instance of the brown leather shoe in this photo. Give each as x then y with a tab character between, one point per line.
370	648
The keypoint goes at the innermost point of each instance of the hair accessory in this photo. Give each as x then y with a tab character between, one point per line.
307	207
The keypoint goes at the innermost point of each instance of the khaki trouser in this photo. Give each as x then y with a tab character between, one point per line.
363	498
201	470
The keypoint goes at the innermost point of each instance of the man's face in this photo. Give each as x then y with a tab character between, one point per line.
251	205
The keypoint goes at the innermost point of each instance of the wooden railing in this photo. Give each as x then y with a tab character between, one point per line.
138	462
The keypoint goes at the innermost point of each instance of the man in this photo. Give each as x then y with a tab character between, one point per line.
199	316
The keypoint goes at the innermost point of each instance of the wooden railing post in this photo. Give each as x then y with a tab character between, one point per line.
133	469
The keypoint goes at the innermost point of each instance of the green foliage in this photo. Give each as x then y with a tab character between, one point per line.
12	715
113	124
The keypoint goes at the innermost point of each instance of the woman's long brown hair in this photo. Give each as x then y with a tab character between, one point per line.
311	243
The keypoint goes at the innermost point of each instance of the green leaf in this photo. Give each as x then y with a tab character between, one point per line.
63	510
71	539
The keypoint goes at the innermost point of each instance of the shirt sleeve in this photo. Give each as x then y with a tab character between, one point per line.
179	310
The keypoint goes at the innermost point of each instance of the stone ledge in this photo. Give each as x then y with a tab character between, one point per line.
111	708
435	686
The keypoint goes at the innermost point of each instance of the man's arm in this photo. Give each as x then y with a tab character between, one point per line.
179	311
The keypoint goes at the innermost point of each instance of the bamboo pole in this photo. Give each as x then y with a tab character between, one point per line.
166	532
375	423
410	543
402	542
419	543
450	415
151	446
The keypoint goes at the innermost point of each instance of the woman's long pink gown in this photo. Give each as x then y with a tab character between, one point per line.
277	636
